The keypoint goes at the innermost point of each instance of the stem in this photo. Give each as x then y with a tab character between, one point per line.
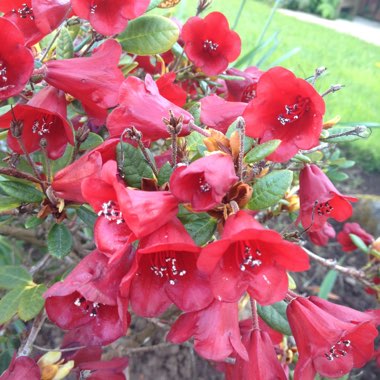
255	316
241	129
147	157
240	11
59	349
40	264
30	161
20	233
332	264
198	129
319	147
318	72
27	347
333	88
51	44
17	174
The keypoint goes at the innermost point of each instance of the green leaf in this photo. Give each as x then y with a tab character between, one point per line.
200	226
359	243
13	276
87	216
65	48
59	241
275	316
31	302
302	158
268	190
345	134
9	203
133	164
21	191
193	141
336	176
149	35
261	151
195	111
93	140
164	174
327	284
33	222
153	4
9	304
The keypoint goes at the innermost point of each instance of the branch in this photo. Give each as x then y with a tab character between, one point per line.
17	174
27	347
20	233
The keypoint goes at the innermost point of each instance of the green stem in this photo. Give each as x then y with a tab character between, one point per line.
240	11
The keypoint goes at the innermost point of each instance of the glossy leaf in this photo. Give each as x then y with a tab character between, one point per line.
9	304
65	48
262	151
164	174
275	316
21	191
13	276
31	302
59	241
327	284
150	34
267	191
9	203
93	140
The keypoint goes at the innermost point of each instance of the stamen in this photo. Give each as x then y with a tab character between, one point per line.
43	127
111	212
250	259
93	9
24	11
86	306
249	93
210	46
203	185
338	350
324	208
166	266
295	111
3	73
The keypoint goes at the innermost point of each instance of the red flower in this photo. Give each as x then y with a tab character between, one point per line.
320	200
219	114
16	61
204	182
20	13
145	211
111	233
94	80
67	182
88	300
155	67
262	364
209	42
109	17
49	14
355	229
171	91
22	368
165	272
142	106
285	108
215	330
248	257
321	237
331	339
243	90
44	116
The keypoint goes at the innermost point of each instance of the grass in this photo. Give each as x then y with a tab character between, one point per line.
350	61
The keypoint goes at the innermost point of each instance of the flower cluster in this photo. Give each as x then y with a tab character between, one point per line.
179	210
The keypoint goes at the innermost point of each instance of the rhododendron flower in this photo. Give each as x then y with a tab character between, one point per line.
285	108
111	233
321	237
320	200
262	364
20	13
151	65
204	182
22	368
165	272
49	14
145	211
16	61
88	300
243	90
219	114
331	339
44	116
215	330
171	91
67	182
109	17
353	228
209	42
95	80
142	106
249	257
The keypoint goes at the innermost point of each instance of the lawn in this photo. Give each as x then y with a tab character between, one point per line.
350	61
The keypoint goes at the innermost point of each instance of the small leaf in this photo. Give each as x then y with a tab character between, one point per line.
336	176
9	304
275	316
148	35
200	226
164	174
359	243
327	284
302	158
9	203
31	302
59	241
87	216
261	151
13	276
133	164
268	190
21	191
93	140
33	222
65	48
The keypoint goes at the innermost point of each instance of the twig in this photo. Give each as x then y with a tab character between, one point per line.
58	349
27	347
22	234
319	147
18	174
51	44
333	88
332	264
40	264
